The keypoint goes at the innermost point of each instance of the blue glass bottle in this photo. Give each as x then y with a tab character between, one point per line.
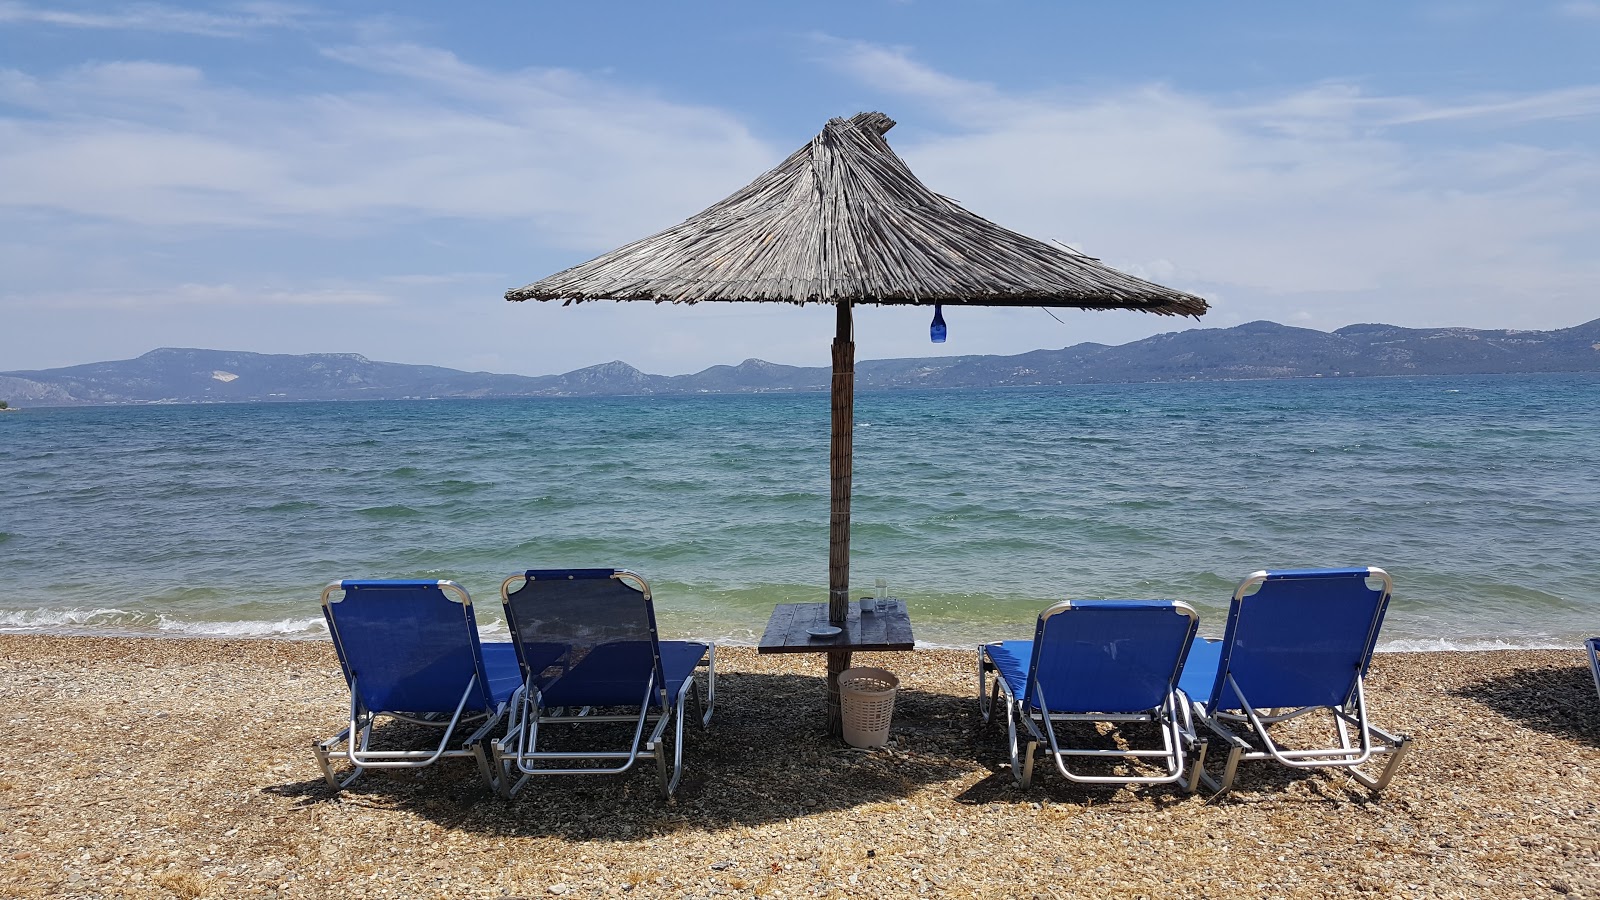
937	330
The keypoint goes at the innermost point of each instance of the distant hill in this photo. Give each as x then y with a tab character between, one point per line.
1252	351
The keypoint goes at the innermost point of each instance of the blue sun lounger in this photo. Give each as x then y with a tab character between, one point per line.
1593	646
410	651
1298	641
1114	661
590	656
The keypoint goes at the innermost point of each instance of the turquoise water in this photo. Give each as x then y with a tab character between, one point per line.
1481	495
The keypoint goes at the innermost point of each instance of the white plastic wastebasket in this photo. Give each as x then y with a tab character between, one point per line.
866	704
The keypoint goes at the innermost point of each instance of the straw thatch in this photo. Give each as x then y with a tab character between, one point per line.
844	219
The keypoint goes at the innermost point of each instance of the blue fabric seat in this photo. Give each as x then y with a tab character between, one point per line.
609	675
410	651
589	655
1093	661
1298	641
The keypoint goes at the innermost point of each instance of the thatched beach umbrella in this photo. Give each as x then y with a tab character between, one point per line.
844	221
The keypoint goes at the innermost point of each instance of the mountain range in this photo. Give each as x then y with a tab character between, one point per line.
1252	351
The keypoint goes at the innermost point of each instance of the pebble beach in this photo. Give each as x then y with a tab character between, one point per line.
160	768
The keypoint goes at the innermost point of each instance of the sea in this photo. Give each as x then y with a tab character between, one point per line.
1480	495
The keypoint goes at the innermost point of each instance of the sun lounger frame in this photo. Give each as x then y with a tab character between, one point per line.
1593	646
1171	715
352	745
1351	714
516	757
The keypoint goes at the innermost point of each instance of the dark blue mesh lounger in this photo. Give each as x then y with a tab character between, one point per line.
589	654
410	651
1114	661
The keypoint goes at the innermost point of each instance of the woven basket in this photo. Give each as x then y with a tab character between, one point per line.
866	702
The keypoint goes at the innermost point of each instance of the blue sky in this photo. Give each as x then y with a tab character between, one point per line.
371	178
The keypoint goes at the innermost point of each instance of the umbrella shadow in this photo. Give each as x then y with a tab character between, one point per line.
765	758
1561	701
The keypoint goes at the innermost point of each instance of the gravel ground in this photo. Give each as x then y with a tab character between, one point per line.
182	768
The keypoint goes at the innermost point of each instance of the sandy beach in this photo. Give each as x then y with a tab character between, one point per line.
182	768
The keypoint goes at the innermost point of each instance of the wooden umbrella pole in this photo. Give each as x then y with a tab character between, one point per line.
839	470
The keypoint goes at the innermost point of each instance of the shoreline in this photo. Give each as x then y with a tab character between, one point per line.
153	767
1397	646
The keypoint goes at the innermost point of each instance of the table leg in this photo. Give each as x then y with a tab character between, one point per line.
838	661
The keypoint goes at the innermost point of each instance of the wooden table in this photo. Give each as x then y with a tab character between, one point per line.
787	630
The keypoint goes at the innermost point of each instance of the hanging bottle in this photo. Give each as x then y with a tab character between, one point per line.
937	330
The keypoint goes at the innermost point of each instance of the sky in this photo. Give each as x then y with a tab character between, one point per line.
371	178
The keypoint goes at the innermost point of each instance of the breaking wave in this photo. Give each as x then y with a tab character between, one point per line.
110	621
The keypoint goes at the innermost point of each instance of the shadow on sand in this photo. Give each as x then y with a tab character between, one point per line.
765	758
1558	700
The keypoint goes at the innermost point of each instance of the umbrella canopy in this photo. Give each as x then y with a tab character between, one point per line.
844	221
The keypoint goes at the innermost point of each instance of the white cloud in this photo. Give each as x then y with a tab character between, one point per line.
892	69
156	144
154	193
1580	9
213	296
158	17
1326	199
1567	103
443	278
